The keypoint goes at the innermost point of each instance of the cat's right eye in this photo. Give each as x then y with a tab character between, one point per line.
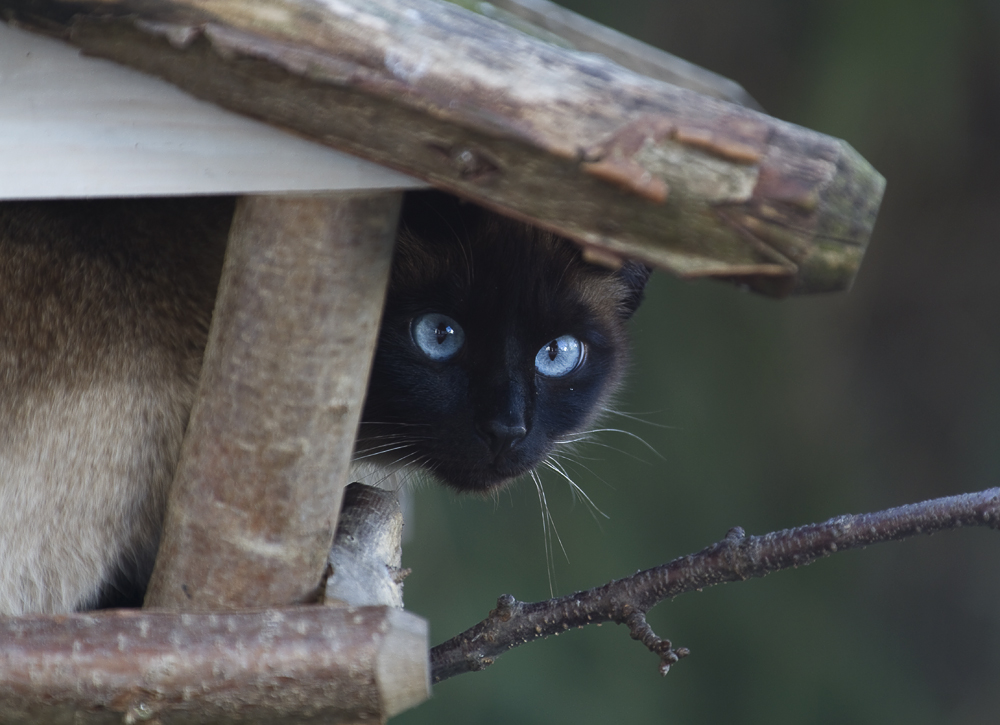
438	336
559	357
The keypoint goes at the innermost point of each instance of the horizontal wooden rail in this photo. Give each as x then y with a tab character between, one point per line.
554	23
623	163
302	665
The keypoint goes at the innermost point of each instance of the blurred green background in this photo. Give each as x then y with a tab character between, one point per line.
774	414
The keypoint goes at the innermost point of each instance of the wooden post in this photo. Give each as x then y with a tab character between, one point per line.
254	504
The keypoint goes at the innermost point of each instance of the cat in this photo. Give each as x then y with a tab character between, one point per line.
498	342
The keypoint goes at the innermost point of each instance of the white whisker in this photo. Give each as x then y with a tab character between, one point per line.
584	435
380	451
554	465
394	424
548	529
637	419
393	436
610	447
577	457
557	456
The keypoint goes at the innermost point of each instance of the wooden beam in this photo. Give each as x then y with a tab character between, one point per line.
570	141
302	665
254	503
554	23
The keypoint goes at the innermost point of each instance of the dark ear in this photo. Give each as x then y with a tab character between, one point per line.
634	275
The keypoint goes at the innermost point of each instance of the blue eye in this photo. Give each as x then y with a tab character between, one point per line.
560	357
438	336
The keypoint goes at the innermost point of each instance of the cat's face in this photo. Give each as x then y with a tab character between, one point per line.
497	343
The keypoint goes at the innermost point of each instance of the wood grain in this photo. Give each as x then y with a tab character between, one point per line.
72	126
253	507
296	665
568	140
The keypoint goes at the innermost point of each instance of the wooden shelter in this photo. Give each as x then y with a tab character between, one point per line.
528	120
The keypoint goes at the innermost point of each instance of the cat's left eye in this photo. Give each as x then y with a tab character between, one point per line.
438	336
559	357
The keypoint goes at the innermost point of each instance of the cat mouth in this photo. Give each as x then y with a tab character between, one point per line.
482	477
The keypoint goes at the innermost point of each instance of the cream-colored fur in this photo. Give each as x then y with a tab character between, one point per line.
104	312
84	477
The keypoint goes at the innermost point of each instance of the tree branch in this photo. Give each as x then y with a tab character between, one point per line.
365	563
736	557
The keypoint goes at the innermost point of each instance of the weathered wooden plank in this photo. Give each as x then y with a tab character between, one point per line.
568	140
254	503
294	665
554	23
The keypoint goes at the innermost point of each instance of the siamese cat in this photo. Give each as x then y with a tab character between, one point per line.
497	343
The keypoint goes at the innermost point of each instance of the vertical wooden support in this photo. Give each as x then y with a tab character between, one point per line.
254	504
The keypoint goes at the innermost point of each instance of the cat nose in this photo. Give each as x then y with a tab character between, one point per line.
501	436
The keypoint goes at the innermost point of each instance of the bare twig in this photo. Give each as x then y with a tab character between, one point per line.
737	557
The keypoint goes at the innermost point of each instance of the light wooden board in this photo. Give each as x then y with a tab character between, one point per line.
72	126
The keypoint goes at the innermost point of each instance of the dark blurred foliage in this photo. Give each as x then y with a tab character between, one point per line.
776	414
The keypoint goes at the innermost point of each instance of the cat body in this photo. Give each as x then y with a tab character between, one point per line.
497	343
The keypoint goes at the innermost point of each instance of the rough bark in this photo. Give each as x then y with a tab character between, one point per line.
297	665
567	140
555	24
253	507
365	563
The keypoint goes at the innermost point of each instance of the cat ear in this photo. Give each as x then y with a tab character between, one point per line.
634	275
